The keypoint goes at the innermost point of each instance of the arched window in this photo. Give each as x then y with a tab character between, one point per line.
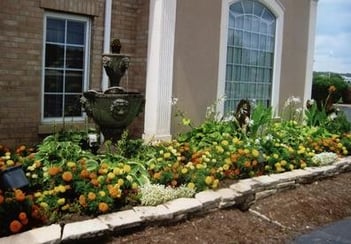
250	54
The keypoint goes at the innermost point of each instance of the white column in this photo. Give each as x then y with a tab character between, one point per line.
107	39
159	78
310	48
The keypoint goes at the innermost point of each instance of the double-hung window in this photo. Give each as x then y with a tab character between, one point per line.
65	66
250	53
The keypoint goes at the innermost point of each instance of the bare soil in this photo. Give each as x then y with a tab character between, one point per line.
276	219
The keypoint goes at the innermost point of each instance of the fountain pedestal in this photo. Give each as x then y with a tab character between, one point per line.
114	109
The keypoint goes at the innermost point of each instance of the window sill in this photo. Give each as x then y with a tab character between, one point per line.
49	128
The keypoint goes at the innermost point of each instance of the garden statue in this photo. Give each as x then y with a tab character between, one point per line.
114	109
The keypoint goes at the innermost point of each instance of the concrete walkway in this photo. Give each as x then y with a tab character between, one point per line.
241	194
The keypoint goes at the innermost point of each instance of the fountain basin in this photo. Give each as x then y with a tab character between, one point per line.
114	110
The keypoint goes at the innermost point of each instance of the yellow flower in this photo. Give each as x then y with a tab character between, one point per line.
102	193
117	171
255	153
44	205
61	201
71	164
126	168
191	185
166	155
120	182
65	207
184	170
226	166
209	180
111	175
225	143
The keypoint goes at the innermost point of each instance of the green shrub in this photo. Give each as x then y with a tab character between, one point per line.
322	83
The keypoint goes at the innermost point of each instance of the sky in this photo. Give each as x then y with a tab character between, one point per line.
333	36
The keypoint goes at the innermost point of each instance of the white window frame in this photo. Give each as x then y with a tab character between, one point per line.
277	9
85	65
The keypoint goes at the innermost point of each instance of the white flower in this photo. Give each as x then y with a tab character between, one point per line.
332	116
174	100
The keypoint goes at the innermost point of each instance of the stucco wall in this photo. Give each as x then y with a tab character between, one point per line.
295	44
196	56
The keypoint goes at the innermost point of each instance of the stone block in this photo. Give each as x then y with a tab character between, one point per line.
183	206
209	199
121	220
82	230
228	197
45	235
153	213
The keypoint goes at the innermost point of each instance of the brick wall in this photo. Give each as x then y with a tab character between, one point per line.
21	44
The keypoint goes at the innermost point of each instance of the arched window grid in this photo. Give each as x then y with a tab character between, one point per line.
250	53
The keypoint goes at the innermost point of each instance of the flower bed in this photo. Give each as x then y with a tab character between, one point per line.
66	179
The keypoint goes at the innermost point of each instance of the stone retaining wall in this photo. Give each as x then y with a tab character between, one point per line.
241	194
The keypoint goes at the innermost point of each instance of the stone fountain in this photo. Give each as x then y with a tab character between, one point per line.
114	109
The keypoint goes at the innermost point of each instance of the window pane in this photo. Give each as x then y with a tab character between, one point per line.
254	41
246	39
258	8
75	32
255	24
229	72
53	81
238	38
52	106
54	56
239	22
248	7
231	37
237	55
55	30
236	8
74	57
74	81
72	105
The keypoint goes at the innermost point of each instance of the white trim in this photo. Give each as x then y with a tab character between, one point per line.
107	39
86	63
310	50
277	9
159	78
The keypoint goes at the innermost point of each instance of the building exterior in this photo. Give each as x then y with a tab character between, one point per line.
195	51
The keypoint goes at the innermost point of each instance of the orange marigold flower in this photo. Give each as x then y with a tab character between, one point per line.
84	173
22	216
91	196
67	176
92	176
54	170
24	222
94	182
82	200
15	226
103	207
19	195
331	89
35	212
